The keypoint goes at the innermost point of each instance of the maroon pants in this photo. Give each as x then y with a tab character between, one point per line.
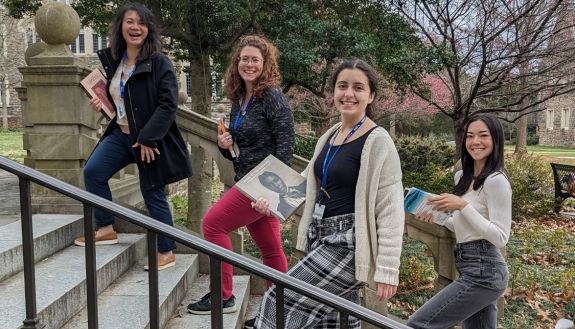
233	211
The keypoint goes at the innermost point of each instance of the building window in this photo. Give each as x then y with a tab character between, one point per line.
7	91
218	89
565	116
549	118
78	46
99	42
188	85
4	35
32	37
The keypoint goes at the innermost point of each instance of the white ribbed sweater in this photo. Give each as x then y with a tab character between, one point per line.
487	214
379	214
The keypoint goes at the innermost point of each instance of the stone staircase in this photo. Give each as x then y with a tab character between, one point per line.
122	282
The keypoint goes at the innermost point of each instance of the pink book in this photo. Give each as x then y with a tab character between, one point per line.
94	84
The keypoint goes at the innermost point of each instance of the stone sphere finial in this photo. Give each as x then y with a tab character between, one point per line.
57	23
33	50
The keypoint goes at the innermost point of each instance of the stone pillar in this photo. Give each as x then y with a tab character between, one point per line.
60	130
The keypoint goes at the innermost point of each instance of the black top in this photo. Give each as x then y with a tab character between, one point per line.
267	128
341	176
151	105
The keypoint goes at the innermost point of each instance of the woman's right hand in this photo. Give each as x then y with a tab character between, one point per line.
96	104
225	140
262	206
425	217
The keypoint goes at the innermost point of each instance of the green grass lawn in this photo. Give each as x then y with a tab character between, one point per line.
547	151
11	144
551	153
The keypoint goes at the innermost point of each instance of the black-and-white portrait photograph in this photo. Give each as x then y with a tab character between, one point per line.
280	185
289	197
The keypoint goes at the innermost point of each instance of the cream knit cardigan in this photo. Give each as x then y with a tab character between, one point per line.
379	214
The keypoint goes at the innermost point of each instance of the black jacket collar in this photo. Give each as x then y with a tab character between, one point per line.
110	65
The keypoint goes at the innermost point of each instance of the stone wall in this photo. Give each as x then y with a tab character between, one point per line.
11	57
555	135
14	117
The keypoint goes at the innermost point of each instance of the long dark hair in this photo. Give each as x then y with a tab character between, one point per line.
152	43
370	73
270	77
494	162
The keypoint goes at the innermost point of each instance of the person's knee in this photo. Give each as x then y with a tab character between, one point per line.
210	225
272	251
92	176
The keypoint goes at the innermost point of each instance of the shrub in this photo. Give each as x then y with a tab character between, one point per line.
432	178
532	137
415	270
304	146
416	153
531	182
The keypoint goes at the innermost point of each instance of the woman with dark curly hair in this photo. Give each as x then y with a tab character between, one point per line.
261	123
142	85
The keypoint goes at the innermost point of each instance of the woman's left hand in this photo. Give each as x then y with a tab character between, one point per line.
147	154
385	291
446	202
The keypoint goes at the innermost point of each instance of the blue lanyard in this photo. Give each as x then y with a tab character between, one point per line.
122	76
240	116
327	160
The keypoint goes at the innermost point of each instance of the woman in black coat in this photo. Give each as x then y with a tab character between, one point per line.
142	85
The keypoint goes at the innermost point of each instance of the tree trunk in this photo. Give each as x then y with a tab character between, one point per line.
201	78
459	128
392	121
521	126
200	184
521	123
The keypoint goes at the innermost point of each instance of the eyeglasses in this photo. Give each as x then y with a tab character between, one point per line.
254	60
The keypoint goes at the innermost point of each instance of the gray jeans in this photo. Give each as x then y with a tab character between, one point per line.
472	298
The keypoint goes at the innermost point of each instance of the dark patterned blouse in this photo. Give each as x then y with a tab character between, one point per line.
267	128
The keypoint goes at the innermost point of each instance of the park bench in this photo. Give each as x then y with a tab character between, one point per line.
564	178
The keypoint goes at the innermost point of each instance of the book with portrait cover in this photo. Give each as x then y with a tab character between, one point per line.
94	85
415	201
276	182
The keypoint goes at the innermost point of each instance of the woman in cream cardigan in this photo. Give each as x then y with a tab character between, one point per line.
352	222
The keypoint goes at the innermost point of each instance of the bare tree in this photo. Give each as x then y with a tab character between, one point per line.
495	55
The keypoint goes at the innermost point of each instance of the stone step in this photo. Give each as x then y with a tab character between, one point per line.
51	234
184	320
61	282
124	304
253	306
7	219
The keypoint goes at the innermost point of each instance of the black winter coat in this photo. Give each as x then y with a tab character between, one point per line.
151	101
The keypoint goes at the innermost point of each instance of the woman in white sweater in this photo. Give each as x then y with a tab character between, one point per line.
481	206
352	222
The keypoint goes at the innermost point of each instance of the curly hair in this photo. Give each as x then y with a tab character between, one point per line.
270	77
153	42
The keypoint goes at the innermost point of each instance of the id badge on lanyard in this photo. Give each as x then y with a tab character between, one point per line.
318	210
239	119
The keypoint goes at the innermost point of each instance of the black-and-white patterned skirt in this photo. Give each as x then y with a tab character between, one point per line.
330	266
